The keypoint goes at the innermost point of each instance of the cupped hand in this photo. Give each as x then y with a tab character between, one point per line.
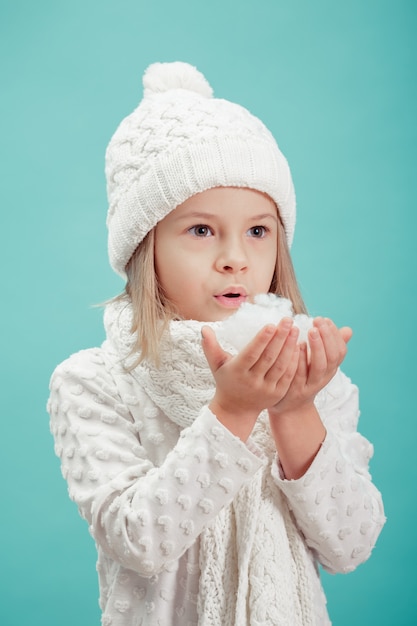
316	367
255	379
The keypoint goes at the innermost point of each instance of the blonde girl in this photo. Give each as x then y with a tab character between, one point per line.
213	483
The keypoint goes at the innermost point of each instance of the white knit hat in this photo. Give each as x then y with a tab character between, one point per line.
180	141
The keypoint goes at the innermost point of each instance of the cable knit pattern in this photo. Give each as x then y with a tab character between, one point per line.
180	141
184	516
182	384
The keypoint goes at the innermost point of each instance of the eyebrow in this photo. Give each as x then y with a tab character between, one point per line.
209	216
264	216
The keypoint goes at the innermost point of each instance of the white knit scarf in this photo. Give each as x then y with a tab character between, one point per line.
255	569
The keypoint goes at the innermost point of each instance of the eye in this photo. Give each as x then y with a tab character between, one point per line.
257	231
201	230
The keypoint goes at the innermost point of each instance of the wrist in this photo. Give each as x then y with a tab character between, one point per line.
298	434
240	422
299	412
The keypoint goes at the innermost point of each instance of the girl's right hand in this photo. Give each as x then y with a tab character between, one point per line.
255	379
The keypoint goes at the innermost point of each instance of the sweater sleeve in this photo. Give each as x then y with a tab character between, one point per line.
335	504
143	516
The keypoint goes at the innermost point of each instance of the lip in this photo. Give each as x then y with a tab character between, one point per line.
232	297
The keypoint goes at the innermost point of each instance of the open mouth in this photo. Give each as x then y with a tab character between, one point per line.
231	299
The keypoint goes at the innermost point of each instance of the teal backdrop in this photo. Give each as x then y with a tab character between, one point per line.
336	83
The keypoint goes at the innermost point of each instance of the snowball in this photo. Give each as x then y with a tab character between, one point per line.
238	329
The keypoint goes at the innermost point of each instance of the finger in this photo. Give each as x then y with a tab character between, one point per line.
303	363
295	367
263	350
214	353
346	333
279	360
334	346
340	338
287	379
318	357
267	359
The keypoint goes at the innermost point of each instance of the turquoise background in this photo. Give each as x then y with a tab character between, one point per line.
336	83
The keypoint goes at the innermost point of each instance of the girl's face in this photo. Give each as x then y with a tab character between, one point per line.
217	250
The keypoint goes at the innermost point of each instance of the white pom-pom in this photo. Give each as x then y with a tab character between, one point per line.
238	329
160	77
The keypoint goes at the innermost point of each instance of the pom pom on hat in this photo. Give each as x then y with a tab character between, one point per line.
180	141
160	77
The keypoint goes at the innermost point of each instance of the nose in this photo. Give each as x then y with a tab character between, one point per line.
232	257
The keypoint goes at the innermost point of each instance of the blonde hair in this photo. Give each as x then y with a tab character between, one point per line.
152	311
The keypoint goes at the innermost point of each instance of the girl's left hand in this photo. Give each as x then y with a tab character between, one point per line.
327	351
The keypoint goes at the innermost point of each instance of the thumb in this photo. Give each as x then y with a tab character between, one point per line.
346	333
214	353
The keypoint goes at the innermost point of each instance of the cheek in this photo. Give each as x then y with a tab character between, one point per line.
269	267
175	272
269	258
165	258
167	274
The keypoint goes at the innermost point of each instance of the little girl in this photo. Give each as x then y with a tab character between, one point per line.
213	483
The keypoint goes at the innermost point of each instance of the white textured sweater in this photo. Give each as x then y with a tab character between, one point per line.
158	496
